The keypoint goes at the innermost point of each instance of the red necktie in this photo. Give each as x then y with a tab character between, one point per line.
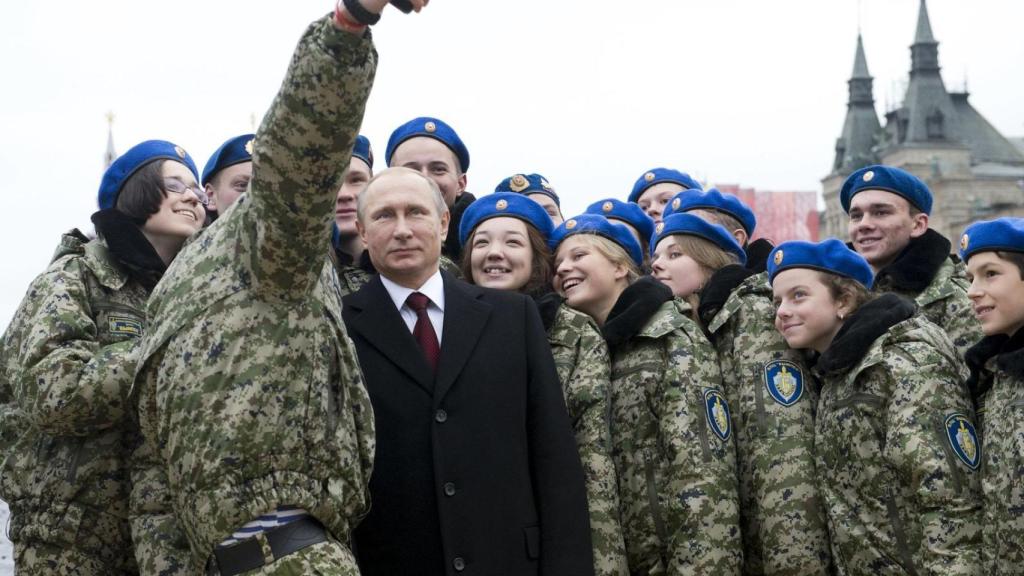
424	330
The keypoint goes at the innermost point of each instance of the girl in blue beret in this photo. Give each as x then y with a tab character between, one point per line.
505	246
73	347
994	254
784	527
896	449
671	430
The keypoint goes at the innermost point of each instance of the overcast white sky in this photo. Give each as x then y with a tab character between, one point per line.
750	92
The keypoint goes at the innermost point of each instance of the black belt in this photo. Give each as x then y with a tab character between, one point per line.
284	540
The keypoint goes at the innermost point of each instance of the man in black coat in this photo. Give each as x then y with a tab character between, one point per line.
476	469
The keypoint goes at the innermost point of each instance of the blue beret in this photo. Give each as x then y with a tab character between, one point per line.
363	151
992	235
712	200
528	184
504	204
828	256
235	151
627	212
659	175
136	157
890	179
688	224
598	226
431	128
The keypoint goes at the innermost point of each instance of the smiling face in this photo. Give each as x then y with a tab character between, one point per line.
674	268
997	292
402	227
587	278
806	313
180	215
500	254
435	161
881	225
654	199
353	182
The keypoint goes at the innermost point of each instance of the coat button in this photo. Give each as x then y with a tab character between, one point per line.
441	416
449	489
459	564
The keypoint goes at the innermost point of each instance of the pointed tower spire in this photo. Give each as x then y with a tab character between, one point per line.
110	155
924	52
924	26
860	62
854	146
928	114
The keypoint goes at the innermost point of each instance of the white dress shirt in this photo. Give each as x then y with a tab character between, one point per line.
433	288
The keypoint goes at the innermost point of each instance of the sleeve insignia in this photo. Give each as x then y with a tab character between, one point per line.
963	438
124	325
717	411
784	381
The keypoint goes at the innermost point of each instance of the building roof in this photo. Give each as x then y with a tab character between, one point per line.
861	129
985	142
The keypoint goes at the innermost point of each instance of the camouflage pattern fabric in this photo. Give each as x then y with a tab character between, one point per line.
250	395
329	558
69	355
673	447
581	360
772	397
944	302
901	494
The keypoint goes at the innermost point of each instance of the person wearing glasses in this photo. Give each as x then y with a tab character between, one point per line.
70	355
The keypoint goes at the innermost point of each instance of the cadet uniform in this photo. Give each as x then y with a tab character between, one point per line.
895	446
997	384
249	393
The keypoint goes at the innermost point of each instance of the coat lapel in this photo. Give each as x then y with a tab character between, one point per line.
375	317
464	318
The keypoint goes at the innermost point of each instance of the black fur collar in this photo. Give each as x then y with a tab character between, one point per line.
451	248
634	309
757	255
548	305
861	330
1010	357
365	264
718	288
130	246
916	267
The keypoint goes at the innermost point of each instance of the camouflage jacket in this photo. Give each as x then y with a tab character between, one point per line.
69	356
581	359
896	449
997	381
672	439
937	282
250	394
772	397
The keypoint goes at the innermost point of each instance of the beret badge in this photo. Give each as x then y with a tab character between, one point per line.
570	224
545	185
607	206
518	183
965	240
869	176
248	146
501	205
658	229
676	203
649	176
778	257
430	127
179	151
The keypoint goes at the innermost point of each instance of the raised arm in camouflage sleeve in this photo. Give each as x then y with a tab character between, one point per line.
584	370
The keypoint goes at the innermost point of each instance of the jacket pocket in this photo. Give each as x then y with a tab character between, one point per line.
532	535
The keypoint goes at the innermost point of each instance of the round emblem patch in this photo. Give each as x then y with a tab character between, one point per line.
518	183
649	176
784	381
607	206
676	203
778	257
430	127
717	411
963	438
179	151
964	241
501	205
248	147
869	175
570	224
660	226
546	185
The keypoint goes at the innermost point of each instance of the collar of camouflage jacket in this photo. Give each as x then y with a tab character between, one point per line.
634	308
718	288
1009	356
861	330
918	264
128	247
548	305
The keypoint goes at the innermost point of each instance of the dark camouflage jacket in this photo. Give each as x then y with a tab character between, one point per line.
250	394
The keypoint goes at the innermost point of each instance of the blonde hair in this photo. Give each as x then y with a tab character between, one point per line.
707	255
615	254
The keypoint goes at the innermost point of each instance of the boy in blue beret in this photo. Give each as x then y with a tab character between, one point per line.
994	253
227	173
433	148
654	188
537	188
889	210
348	246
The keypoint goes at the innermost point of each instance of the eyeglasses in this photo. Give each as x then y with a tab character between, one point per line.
178	187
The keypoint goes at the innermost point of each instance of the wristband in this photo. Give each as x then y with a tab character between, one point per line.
361	14
345	21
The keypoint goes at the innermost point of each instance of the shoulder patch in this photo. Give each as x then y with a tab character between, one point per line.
963	438
717	410
124	325
784	381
